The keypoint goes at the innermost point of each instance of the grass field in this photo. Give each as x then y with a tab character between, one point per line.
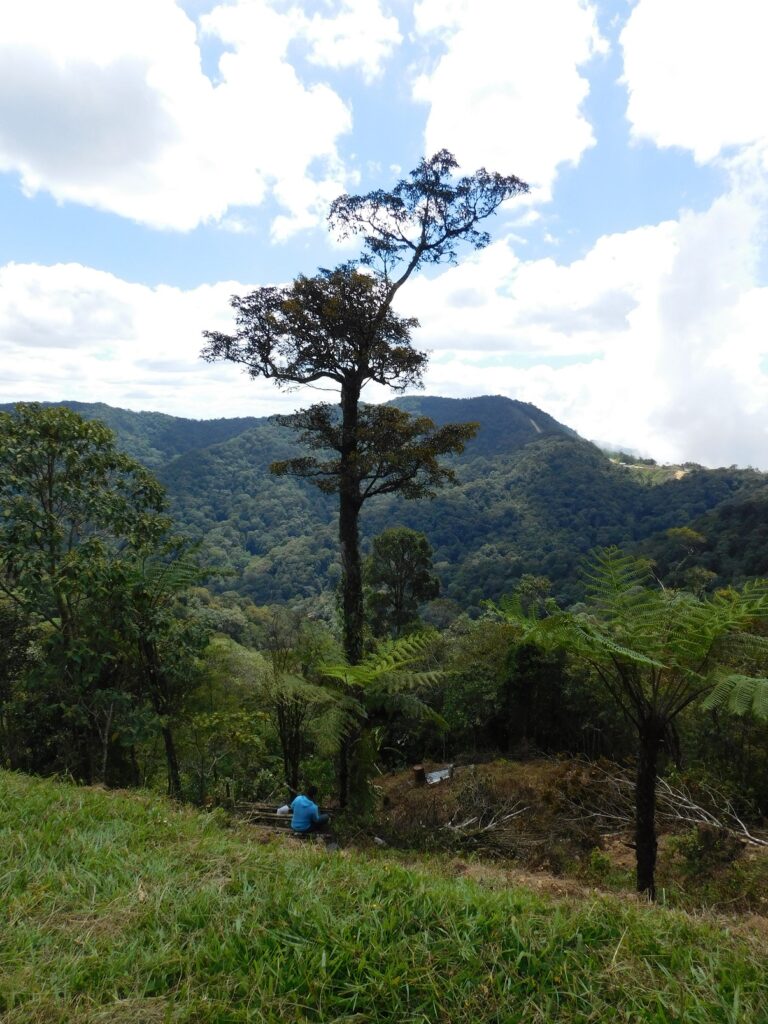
122	908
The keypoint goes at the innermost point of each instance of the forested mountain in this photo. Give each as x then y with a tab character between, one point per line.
532	497
729	544
154	437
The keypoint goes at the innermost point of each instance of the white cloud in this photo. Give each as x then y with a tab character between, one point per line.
360	35
697	73
655	339
105	104
497	302
507	92
82	334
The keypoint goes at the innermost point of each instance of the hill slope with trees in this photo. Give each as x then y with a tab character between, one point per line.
532	497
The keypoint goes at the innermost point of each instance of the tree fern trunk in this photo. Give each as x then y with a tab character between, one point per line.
645	808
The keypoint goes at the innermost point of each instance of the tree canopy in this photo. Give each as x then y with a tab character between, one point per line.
424	218
399	577
87	557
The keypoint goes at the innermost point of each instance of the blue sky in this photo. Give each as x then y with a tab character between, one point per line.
157	156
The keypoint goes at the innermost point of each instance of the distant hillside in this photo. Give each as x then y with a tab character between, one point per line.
532	497
506	423
732	544
154	437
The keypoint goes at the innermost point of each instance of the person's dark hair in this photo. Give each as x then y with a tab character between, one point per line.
311	792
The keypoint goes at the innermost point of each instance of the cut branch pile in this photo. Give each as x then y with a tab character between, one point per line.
612	805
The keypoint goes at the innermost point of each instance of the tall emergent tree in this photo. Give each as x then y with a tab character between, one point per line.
339	326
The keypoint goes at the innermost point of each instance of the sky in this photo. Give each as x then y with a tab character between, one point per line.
159	156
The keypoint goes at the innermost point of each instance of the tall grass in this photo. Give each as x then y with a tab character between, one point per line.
122	908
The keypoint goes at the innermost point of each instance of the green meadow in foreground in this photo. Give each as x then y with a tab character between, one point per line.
122	908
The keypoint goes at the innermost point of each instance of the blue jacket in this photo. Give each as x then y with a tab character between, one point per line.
305	814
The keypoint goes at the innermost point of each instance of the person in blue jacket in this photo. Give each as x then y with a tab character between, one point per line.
306	813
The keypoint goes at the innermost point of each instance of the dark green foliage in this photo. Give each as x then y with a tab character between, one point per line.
507	694
506	424
732	545
155	437
729	753
396	453
16	636
385	691
87	558
299	706
336	325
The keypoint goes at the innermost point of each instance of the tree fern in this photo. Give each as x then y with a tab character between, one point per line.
657	651
384	683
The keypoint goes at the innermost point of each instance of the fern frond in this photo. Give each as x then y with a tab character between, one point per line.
289	687
611	577
407	706
389	658
398	681
740	694
592	638
745	645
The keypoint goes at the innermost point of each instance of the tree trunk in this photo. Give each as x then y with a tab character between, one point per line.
351	570
174	778
645	808
135	770
351	577
105	734
349	539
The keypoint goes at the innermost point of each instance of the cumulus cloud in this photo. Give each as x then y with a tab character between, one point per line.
78	333
655	339
507	91
697	74
497	302
106	104
361	35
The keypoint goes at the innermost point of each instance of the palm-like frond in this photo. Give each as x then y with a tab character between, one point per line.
332	724
405	705
387	680
388	662
742	695
659	647
616	584
587	638
287	687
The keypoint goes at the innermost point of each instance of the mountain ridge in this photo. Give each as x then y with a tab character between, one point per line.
532	497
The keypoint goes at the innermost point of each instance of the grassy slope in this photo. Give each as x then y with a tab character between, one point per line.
121	908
